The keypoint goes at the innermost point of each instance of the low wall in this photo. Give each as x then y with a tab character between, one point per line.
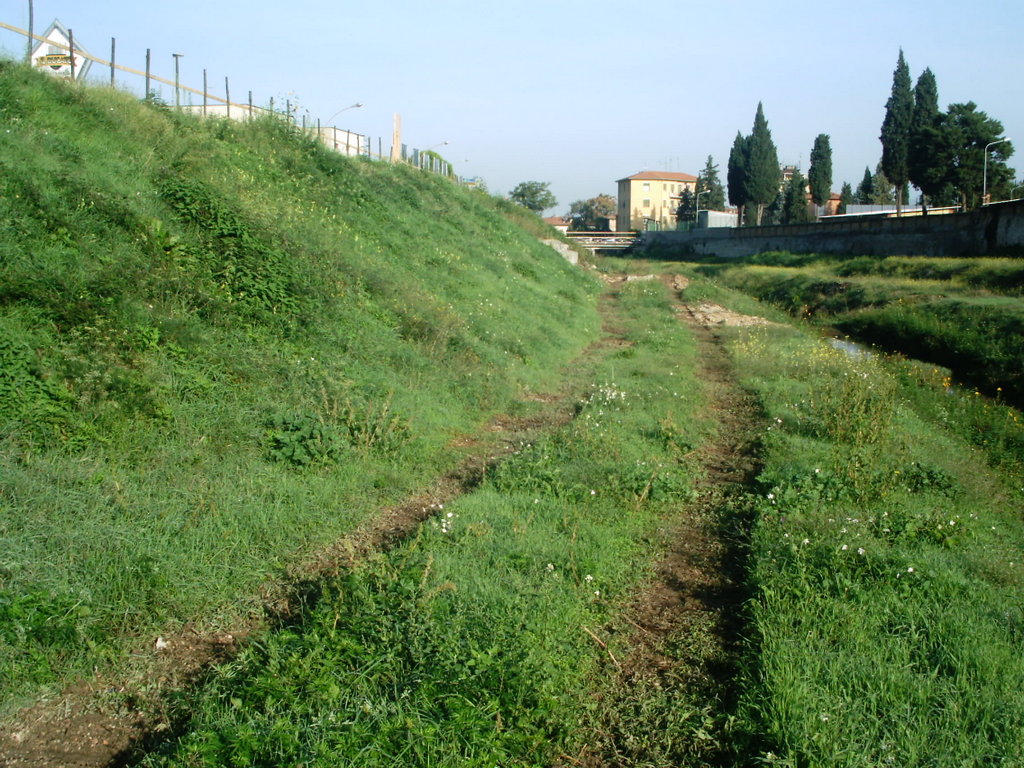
987	230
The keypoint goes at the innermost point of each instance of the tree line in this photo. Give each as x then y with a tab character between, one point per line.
955	157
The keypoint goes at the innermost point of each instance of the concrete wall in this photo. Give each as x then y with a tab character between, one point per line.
984	231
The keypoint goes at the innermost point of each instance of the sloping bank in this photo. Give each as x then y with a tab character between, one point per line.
223	345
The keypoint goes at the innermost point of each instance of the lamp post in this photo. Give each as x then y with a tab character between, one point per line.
345	109
177	80
984	174
696	215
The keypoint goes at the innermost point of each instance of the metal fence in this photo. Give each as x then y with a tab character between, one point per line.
75	63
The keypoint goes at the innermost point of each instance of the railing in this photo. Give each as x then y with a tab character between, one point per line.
214	105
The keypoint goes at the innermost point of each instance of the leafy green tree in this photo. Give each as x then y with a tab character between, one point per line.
762	170
593	214
960	139
794	200
846	197
708	181
534	195
736	173
895	135
923	161
820	173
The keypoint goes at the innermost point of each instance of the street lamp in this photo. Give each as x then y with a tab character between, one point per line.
351	106
984	175
443	143
696	215
177	92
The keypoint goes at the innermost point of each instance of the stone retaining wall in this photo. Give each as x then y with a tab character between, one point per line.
986	231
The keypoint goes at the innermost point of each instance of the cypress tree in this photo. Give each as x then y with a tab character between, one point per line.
762	178
708	180
845	197
924	157
736	173
895	135
794	201
820	172
866	189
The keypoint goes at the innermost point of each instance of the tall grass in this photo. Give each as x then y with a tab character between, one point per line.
223	344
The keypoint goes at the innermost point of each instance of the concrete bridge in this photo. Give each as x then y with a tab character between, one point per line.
603	241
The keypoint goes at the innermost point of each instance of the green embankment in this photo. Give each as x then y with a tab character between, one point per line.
966	314
221	345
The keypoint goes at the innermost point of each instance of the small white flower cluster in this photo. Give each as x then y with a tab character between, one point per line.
445	522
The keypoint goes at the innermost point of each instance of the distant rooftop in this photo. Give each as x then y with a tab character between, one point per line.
659	176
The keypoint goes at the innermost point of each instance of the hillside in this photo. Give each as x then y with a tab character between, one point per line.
223	344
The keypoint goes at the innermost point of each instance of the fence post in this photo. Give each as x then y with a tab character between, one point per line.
147	74
71	47
205	91
113	52
31	39
250	105
227	94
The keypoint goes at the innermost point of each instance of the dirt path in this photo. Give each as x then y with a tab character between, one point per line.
683	629
104	722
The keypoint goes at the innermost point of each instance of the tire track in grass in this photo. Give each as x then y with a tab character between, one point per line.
667	699
106	723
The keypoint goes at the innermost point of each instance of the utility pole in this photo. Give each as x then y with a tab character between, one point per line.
177	80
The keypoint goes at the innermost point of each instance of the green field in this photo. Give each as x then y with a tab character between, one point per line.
224	349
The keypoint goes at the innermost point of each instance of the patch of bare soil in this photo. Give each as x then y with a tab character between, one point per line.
682	631
707	314
103	722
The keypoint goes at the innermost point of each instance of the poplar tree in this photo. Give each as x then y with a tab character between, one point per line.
762	170
820	172
895	135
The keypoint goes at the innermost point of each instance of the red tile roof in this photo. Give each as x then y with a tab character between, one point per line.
659	176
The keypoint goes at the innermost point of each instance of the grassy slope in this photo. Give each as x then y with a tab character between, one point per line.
222	344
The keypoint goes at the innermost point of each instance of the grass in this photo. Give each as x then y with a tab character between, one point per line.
223	345
473	643
885	564
963	314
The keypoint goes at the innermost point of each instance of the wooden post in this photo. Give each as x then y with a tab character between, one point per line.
227	95
71	47
113	52
147	73
250	105
396	139
205	92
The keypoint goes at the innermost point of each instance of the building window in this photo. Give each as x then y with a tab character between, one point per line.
647	202
647	186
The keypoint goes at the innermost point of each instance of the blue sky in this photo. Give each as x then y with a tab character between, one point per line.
577	94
